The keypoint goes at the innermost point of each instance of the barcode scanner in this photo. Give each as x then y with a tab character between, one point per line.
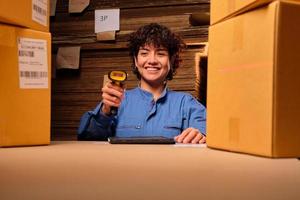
117	77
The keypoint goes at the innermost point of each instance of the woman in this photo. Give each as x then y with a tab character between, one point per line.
151	109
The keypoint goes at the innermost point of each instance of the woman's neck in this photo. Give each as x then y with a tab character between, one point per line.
156	91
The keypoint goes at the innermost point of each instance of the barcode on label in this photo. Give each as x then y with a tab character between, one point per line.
33	74
26	53
39	10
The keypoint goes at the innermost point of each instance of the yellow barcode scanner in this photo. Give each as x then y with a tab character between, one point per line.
117	77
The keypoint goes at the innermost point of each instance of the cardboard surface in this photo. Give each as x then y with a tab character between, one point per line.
98	170
77	6
68	57
220	10
53	7
33	14
106	36
253	79
25	95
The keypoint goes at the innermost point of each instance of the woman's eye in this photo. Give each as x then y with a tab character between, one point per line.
162	53
143	53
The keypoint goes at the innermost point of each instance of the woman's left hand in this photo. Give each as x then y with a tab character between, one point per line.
191	135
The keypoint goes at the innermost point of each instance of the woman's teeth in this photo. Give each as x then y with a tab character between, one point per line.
152	68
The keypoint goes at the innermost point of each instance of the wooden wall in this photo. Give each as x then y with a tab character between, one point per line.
77	91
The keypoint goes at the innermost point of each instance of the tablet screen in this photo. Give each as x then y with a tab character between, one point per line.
141	140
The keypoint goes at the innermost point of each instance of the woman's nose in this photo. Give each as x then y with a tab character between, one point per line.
152	58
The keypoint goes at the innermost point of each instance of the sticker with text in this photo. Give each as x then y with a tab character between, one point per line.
33	65
39	11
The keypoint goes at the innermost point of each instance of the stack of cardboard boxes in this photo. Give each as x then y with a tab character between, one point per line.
25	49
254	77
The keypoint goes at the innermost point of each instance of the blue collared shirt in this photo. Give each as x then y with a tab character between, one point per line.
140	115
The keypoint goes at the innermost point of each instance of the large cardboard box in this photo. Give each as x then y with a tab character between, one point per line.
24	86
224	9
253	82
33	14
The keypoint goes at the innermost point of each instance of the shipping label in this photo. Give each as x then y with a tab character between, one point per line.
33	65
39	11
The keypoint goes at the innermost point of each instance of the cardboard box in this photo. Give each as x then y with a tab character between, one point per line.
24	86
224	9
253	82
33	14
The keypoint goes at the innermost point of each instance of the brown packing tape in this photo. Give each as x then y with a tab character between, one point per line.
106	36
234	131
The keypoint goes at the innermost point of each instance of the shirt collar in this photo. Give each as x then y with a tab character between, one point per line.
148	96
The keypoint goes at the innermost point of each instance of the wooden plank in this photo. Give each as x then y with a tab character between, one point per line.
88	40
88	26
62	6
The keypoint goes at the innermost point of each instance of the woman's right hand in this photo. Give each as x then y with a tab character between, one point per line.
112	95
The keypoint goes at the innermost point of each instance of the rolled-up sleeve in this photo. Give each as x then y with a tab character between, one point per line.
95	125
195	114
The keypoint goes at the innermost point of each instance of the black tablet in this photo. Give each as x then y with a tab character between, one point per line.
141	140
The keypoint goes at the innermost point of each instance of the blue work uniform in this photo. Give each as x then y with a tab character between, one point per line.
140	115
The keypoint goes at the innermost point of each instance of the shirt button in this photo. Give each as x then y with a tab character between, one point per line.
138	126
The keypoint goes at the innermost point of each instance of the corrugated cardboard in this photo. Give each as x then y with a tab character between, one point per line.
24	109
33	14
253	82
224	9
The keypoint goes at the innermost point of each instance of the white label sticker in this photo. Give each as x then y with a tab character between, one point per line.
33	65
39	11
107	20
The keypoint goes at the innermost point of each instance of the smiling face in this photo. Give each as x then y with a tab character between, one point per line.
153	65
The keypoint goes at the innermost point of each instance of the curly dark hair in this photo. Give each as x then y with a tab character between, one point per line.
159	36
